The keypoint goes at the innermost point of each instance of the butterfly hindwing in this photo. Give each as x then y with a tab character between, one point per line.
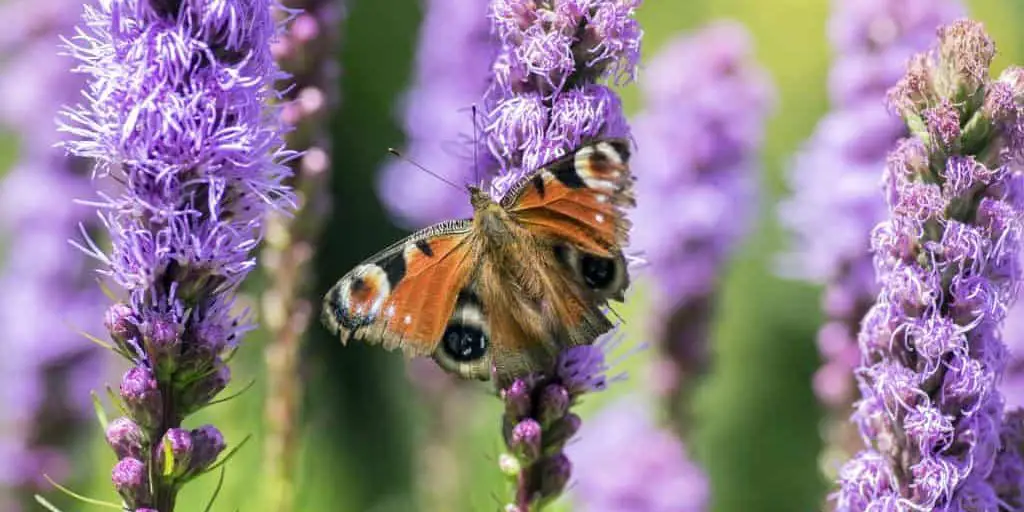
404	296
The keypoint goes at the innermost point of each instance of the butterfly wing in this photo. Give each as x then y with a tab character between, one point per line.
574	211
404	296
579	199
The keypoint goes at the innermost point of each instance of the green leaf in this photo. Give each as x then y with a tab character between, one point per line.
216	491
116	401
231	453
168	459
235	395
46	504
79	497
101	414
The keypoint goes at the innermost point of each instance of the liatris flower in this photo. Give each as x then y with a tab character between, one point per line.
700	132
544	97
538	422
45	363
452	71
947	258
190	158
626	462
542	101
836	180
307	53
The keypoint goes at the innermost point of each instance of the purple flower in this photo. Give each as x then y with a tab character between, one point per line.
947	260
452	70
836	181
699	136
189	161
538	423
625	462
46	294
545	95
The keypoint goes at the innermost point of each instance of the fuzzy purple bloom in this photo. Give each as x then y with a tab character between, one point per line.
47	293
545	95
836	180
947	259
700	132
452	71
189	161
626	462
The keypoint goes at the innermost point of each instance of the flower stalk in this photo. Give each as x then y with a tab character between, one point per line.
189	160
307	53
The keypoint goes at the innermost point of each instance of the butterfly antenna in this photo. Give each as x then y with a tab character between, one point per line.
476	147
395	152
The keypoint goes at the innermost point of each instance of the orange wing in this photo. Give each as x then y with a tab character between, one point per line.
579	198
404	296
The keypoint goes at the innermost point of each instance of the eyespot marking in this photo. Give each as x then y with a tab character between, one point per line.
359	297
599	217
407	319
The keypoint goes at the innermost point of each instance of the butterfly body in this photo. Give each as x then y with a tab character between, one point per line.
505	291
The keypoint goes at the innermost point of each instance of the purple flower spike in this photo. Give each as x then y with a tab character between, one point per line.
189	161
700	134
947	260
545	95
538	424
835	182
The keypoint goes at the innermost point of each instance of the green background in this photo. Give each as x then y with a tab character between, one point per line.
363	424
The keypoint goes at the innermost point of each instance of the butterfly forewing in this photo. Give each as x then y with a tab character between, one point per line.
403	296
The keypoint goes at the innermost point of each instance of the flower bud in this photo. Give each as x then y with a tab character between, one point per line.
119	320
562	430
131	479
199	393
162	342
141	395
207	445
554	474
554	403
176	443
517	399
509	465
526	440
125	437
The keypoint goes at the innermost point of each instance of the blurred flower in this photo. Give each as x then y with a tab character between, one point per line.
452	69
307	52
625	462
544	98
947	259
177	118
46	292
698	136
538	423
836	182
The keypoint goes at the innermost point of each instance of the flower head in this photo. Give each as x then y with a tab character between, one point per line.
178	122
930	412
545	95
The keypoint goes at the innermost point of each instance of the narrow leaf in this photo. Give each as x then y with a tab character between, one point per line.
46	504
101	414
116	401
231	453
234	395
216	491
168	458
79	497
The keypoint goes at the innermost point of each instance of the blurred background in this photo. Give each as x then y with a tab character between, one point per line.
363	430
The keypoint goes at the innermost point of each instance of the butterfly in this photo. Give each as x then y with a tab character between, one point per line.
507	290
